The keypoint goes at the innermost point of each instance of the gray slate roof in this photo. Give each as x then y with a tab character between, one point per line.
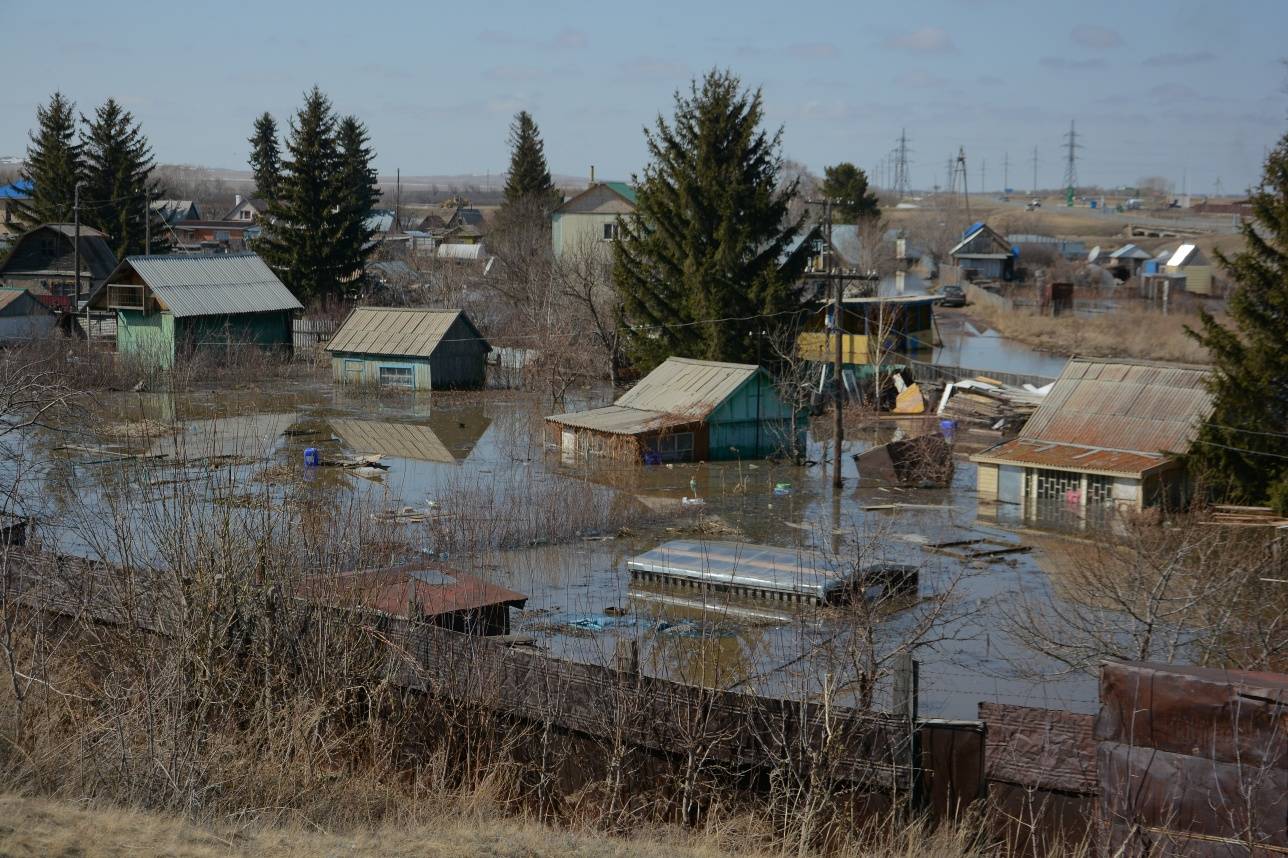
209	284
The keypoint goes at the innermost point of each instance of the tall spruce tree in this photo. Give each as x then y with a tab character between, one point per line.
53	165
849	184
265	156
1242	451
358	192
302	242
529	176
703	263
118	180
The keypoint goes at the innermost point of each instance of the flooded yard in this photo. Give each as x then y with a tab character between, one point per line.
468	480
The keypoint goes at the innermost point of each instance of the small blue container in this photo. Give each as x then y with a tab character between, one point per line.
948	428
312	458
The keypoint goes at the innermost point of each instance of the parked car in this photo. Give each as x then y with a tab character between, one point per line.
1032	204
952	296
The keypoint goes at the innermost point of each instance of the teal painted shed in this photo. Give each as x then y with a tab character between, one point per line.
409	347
170	305
687	410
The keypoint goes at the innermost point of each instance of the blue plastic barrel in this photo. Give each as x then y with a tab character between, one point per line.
948	428
311	457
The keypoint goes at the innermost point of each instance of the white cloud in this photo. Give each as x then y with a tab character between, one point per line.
812	50
1099	38
927	40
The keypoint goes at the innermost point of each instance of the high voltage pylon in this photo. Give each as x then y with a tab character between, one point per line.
1006	171
1035	170
902	184
1071	163
958	178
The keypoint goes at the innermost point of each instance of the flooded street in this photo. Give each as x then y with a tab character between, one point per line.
484	493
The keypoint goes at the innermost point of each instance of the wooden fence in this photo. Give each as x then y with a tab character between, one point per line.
310	334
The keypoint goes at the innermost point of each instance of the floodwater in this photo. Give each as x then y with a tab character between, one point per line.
970	344
504	506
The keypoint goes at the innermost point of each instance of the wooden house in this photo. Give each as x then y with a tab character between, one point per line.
43	261
1110	432
23	317
170	305
685	410
409	348
983	254
873	331
1194	264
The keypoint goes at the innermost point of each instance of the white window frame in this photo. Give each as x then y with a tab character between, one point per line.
401	372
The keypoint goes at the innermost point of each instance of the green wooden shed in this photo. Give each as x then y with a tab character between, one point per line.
687	410
170	305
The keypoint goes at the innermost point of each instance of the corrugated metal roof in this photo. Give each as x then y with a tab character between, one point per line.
682	386
210	284
460	251
396	331
408	591
617	420
1070	457
1130	251
1140	407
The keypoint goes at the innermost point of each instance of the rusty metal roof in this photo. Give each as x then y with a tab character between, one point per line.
682	386
1070	457
1133	406
398	331
410	591
1119	417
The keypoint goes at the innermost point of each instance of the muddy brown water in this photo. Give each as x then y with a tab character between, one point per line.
510	510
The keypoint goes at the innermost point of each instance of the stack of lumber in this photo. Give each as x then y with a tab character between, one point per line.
1246	516
983	403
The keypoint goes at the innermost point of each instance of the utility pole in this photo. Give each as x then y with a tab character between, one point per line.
147	222
76	248
837	330
1034	189
983	175
950	187
1006	171
838	424
1071	166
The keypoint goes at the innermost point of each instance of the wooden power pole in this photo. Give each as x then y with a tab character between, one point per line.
837	330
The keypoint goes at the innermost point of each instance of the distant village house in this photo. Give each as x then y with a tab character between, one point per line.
589	220
983	254
43	261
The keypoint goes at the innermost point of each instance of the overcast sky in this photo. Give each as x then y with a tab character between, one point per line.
1181	88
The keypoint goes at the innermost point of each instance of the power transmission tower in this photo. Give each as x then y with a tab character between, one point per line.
1071	163
1006	171
902	184
959	169
983	174
1218	187
1034	189
948	186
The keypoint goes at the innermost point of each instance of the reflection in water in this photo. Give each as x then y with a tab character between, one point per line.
482	460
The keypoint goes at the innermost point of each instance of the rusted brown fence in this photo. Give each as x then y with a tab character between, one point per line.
1193	761
1180	761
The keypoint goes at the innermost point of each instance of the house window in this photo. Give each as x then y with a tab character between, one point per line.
397	376
674	447
245	214
610	231
1100	489
1056	485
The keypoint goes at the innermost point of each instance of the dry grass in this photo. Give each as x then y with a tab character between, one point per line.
39	827
1126	333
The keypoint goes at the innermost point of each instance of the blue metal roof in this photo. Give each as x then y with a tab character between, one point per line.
19	190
